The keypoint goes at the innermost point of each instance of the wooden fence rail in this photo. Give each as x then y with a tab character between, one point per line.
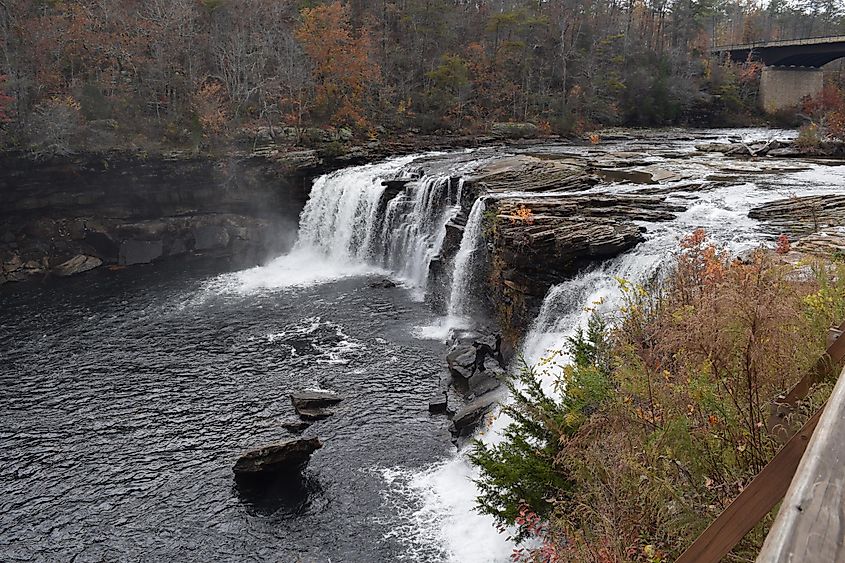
809	525
772	483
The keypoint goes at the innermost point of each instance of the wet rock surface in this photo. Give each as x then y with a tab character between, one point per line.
477	369
470	415
799	216
783	148
282	457
122	209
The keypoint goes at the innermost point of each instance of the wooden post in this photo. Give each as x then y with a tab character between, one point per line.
811	523
761	495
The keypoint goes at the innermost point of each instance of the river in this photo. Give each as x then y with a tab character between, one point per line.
125	397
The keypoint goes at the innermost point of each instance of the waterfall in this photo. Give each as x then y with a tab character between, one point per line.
350	217
413	228
354	224
465	263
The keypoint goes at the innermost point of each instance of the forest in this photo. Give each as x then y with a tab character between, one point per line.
189	72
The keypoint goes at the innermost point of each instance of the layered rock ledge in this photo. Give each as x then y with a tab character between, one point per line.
69	216
547	219
800	216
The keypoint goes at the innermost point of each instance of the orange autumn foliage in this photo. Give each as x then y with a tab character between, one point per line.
523	215
343	71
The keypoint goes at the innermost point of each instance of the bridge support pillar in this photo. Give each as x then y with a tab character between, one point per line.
783	88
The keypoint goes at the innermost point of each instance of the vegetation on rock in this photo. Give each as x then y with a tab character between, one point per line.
659	420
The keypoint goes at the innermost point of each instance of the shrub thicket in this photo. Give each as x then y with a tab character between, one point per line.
659	422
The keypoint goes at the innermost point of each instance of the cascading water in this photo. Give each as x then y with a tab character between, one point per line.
465	261
413	228
353	224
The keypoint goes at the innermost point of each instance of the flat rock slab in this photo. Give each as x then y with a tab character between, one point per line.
438	404
289	455
314	414
799	216
77	265
306	400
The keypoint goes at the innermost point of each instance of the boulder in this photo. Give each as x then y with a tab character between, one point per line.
460	361
76	265
467	418
438	404
306	400
287	456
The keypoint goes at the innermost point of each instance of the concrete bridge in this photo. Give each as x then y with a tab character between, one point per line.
792	68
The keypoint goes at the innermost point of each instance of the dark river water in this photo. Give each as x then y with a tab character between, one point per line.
127	396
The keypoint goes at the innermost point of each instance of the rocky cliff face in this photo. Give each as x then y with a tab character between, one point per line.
536	239
65	217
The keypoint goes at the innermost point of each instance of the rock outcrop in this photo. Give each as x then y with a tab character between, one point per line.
537	243
65	217
282	457
828	243
782	148
314	405
476	371
467	418
799	216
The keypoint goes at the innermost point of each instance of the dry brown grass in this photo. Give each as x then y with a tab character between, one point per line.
698	358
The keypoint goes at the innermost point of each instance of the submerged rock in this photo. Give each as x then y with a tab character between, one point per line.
314	414
296	426
646	175
383	284
290	455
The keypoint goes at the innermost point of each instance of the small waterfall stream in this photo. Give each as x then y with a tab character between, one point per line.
465	261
